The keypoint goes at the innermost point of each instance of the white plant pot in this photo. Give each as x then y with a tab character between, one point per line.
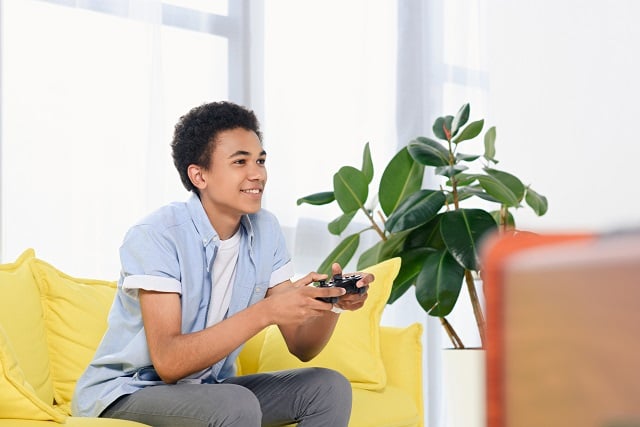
465	387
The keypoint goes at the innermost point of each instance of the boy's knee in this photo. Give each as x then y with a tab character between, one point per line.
242	408
335	385
332	401
337	381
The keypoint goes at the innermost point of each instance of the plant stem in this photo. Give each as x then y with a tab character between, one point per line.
454	182
453	336
475	303
503	217
374	224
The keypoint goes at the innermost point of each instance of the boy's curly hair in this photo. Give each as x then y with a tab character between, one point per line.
196	133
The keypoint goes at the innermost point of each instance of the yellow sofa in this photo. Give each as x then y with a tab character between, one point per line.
51	323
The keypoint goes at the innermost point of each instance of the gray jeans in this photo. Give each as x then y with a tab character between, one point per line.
312	397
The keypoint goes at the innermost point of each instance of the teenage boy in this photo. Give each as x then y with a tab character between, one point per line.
198	280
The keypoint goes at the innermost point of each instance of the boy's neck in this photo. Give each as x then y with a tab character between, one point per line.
224	224
225	232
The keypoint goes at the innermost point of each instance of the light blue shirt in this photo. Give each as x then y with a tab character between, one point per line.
176	243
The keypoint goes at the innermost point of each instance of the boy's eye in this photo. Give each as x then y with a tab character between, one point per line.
262	161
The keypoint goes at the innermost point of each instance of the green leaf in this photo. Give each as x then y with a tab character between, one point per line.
490	144
317	198
462	195
460	119
438	129
470	132
339	224
498	190
427	236
370	256
367	164
412	262
448	121
393	245
383	250
450	171
511	222
511	181
416	210
438	284
428	152
474	190
537	202
342	254
351	188
462	179
462	230
466	157
402	177
399	288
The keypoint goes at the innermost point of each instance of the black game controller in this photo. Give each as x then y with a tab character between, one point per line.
346	282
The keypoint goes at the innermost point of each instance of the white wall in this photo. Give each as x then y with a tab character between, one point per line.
564	91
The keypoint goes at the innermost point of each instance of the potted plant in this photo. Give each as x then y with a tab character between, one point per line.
434	230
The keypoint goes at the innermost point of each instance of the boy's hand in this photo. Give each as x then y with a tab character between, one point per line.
298	303
353	301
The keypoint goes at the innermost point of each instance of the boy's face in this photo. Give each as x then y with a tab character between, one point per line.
236	176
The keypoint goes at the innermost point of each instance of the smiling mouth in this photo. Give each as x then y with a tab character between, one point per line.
252	191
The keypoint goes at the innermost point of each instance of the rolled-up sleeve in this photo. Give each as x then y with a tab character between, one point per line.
131	284
281	274
149	262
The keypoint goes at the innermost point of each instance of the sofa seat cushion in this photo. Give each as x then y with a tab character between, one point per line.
76	319
72	422
391	407
354	347
22	318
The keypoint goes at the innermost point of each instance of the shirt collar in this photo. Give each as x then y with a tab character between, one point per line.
245	222
203	225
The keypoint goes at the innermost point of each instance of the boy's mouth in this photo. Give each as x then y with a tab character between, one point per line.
252	191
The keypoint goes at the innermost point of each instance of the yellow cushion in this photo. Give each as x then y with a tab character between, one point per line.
22	318
391	407
247	361
404	368
76	318
354	348
73	422
17	397
100	422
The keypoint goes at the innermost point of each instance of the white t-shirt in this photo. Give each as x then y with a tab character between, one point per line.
223	276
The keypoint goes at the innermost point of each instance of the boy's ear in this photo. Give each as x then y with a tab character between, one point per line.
196	176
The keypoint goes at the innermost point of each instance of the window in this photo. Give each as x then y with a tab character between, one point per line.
91	91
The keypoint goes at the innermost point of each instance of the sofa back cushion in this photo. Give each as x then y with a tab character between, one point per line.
22	318
18	399
354	347
76	319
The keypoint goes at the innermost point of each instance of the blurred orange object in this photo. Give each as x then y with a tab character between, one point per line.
563	329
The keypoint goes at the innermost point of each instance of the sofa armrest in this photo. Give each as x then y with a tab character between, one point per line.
401	350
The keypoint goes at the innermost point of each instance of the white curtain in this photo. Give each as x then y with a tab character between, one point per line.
91	91
441	65
376	72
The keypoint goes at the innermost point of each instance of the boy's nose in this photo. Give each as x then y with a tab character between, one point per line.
257	173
